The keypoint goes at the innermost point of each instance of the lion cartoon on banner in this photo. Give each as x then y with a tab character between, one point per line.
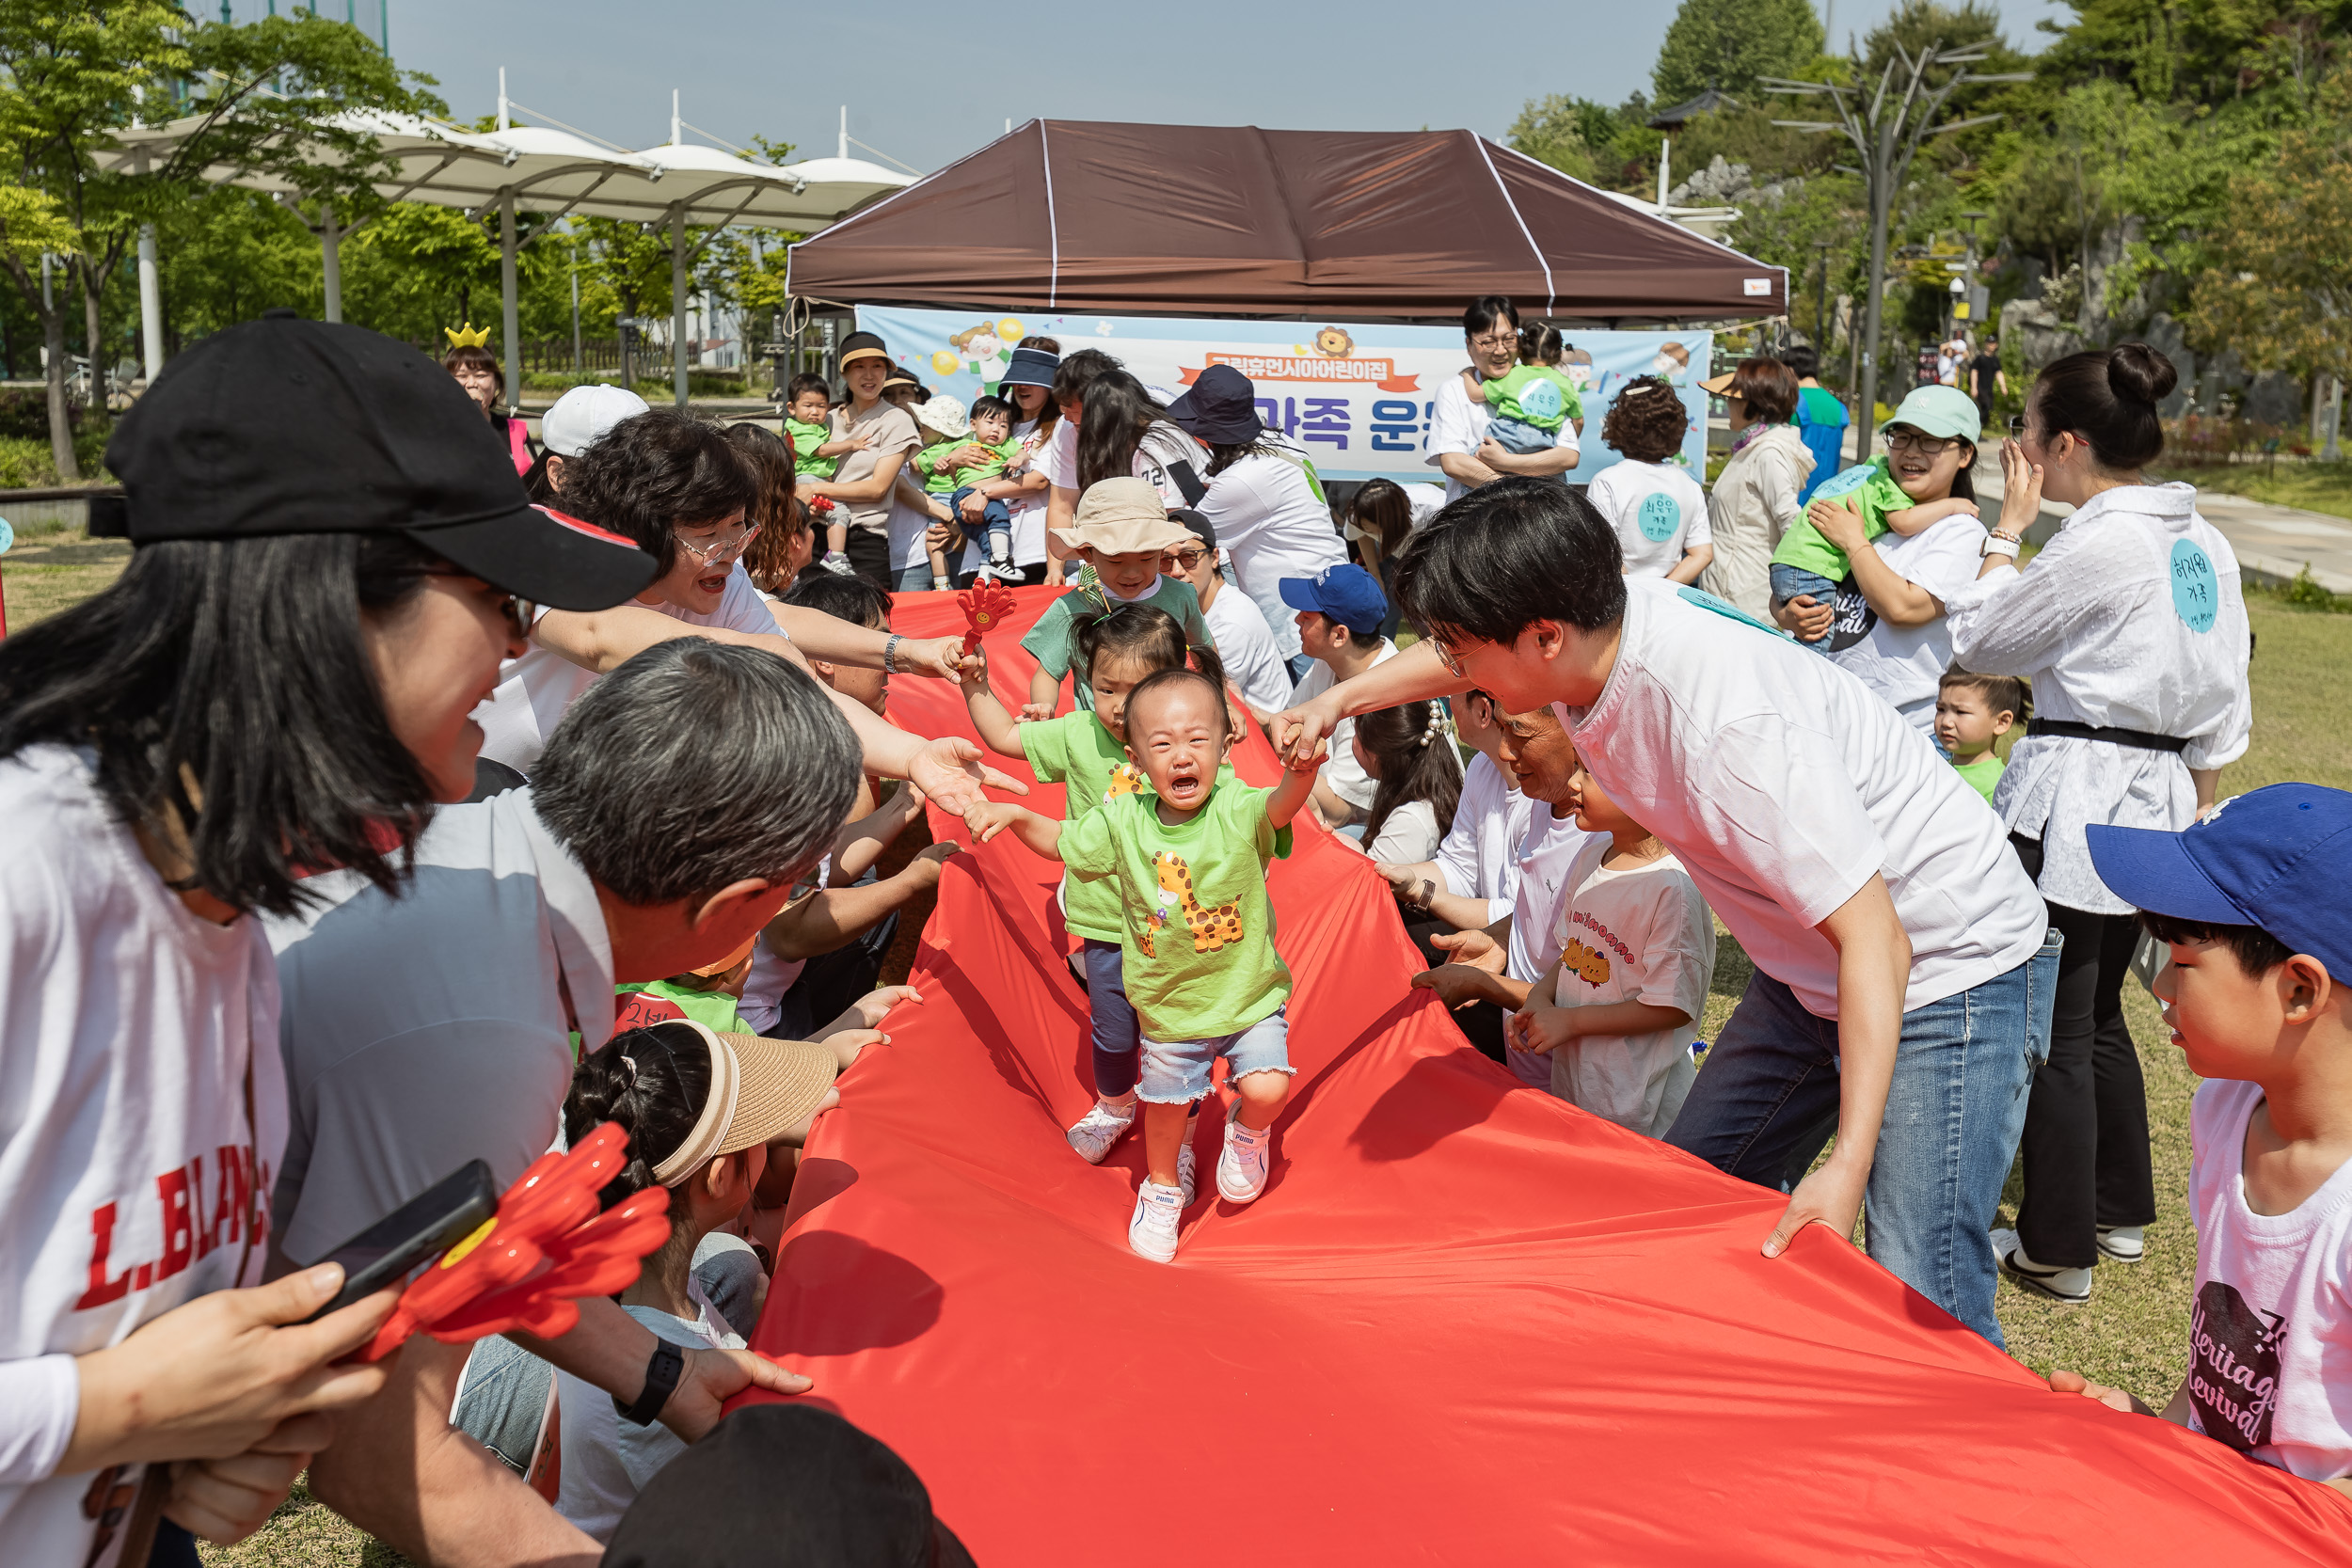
1332	342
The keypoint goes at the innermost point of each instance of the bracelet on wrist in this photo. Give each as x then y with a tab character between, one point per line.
890	654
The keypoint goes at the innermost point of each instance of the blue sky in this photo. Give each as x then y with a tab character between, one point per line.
928	81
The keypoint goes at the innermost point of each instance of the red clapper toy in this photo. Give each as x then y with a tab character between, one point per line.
546	1247
984	610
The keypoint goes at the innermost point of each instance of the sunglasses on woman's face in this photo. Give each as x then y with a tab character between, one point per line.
1180	560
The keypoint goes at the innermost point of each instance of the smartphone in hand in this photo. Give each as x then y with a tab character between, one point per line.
425	1227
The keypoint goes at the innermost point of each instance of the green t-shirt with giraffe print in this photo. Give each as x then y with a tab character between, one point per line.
1199	958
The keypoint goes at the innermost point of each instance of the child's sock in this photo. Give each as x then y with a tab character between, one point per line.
941	584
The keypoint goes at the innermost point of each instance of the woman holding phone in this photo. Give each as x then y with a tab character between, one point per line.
278	682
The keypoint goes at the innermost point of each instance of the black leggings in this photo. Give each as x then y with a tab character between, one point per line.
2086	1141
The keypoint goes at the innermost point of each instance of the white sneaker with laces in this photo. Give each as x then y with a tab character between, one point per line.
1241	1169
837	563
1152	1231
1100	1127
2123	1244
2071	1286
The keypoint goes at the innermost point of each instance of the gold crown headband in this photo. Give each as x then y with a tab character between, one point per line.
468	336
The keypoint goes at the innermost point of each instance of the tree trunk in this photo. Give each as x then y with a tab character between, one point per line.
60	425
93	339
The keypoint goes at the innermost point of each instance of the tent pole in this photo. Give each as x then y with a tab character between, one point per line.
678	300
509	323
151	305
331	259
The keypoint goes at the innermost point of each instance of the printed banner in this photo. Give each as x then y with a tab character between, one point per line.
1360	397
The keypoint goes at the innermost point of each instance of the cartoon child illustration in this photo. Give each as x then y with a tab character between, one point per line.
1673	362
1577	365
976	348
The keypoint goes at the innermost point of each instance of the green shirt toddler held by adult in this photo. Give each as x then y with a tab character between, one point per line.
1874	493
940	481
1533	394
1198	959
806	439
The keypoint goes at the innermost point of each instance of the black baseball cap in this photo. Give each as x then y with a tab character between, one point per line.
788	1485
283	426
1222	408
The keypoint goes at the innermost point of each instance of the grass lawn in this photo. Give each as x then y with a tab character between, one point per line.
2308	483
2133	1330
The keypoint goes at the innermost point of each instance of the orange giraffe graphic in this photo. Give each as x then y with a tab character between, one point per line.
1211	928
1126	779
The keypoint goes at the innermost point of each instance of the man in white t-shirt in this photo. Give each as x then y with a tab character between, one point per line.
1245	643
1904	963
1458	447
1340	611
427	1029
1490	970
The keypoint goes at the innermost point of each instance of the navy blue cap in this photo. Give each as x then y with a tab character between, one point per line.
1220	409
2277	858
1346	593
1030	367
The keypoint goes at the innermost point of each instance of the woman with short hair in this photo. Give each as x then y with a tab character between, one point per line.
476	369
280	681
1754	497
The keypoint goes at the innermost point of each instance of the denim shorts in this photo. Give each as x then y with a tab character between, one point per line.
1176	1073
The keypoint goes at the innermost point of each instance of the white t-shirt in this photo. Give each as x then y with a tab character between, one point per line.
1408	837
1658	511
1554	857
608	1461
1458	425
1902	664
1245	644
2131	618
2270	1337
1271	524
1162	446
1479	857
427	1030
1639	934
1426	501
1342	772
537	689
128	1030
1782	783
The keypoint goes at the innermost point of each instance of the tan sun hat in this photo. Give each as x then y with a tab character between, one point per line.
760	1091
1122	516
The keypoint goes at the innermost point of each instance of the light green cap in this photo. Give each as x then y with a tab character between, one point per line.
1940	411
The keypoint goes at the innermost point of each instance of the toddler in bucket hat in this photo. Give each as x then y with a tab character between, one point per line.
1119	533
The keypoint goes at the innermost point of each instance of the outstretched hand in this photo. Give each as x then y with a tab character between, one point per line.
942	658
950	774
987	819
1302	733
1475	948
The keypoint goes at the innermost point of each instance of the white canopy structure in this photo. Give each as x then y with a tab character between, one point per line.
531	168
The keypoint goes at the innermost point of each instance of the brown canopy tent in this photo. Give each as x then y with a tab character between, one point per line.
1235	221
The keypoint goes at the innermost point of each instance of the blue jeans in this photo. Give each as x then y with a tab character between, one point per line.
504	1396
1118	1037
912	579
1795	583
995	524
1953	1113
1177	1072
1520	437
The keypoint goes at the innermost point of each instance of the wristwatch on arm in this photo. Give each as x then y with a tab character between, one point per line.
661	1375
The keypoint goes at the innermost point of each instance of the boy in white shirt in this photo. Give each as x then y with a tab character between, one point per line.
1618	1010
2251	901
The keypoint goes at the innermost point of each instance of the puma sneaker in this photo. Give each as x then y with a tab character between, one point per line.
1100	1127
1241	1169
1152	1231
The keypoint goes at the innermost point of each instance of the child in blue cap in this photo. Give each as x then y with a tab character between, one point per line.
2251	901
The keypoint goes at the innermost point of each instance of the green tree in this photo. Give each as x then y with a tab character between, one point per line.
1551	131
1727	44
276	95
2277	288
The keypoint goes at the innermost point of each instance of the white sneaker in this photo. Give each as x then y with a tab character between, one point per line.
2123	1244
940	584
2071	1286
1241	1169
1100	1127
837	563
1152	1231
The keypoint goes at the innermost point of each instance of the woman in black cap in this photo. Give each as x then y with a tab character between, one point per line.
1028	383
331	554
1263	499
864	483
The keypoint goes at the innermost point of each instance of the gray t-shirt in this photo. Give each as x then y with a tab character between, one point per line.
892	430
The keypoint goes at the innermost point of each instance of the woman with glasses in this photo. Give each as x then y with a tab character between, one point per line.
1245	643
1458	444
682	492
1264	503
2130	625
1884	617
279	681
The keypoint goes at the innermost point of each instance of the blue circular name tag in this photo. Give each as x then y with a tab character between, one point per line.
1541	399
1845	480
2196	586
1657	516
7	536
